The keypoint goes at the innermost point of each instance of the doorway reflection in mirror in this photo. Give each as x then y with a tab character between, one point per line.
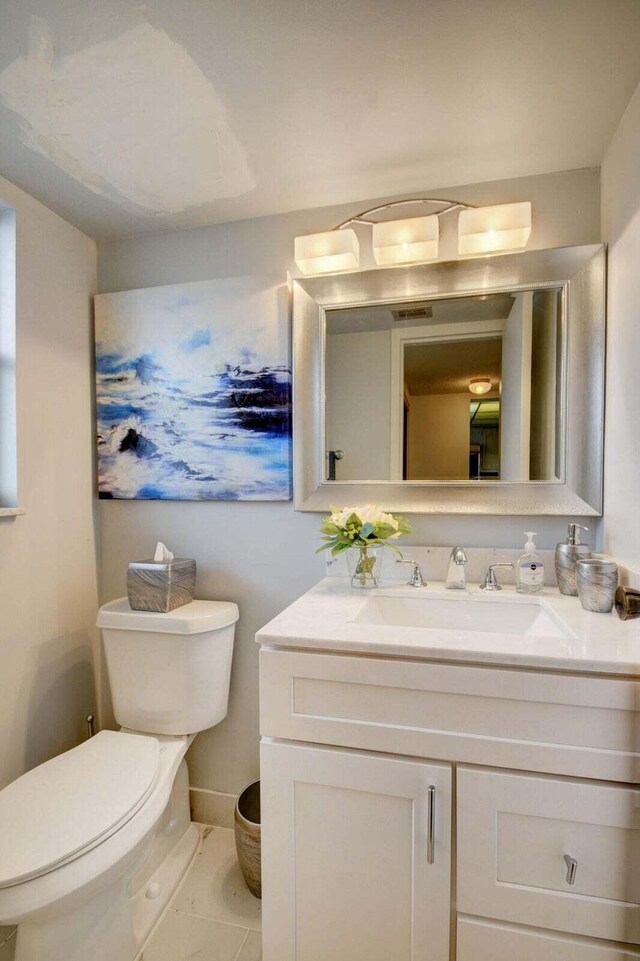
455	389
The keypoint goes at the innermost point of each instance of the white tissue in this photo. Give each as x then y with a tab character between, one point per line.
162	555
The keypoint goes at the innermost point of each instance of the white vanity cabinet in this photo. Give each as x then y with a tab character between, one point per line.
539	858
356	854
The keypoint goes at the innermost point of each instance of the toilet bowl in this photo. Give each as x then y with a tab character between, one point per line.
94	842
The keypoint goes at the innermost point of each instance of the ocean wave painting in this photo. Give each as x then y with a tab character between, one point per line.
193	392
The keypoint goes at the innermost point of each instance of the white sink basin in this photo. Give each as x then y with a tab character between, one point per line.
462	613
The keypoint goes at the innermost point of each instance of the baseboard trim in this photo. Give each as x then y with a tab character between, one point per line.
212	807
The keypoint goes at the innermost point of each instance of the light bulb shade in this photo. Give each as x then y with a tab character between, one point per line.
487	229
327	252
406	241
480	385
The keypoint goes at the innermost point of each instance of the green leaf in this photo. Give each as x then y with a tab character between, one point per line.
328	527
385	530
393	548
339	549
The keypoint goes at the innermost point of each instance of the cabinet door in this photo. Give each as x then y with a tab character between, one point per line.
356	852
553	853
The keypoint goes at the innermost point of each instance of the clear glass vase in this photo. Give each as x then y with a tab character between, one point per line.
365	565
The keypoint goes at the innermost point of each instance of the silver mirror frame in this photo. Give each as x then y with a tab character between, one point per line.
580	271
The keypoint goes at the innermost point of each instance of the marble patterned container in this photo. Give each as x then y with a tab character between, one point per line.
159	587
597	580
566	557
247	834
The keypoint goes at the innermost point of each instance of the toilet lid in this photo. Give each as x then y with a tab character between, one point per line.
70	804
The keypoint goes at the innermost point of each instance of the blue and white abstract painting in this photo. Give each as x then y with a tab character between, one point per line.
194	391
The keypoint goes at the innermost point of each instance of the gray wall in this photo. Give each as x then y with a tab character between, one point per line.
262	555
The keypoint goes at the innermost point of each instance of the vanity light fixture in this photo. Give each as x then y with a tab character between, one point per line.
325	253
406	241
480	385
484	230
481	230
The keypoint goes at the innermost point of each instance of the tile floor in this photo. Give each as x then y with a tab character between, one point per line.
212	916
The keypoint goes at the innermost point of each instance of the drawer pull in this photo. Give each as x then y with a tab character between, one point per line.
431	826
572	868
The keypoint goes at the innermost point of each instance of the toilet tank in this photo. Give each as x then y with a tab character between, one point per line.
169	673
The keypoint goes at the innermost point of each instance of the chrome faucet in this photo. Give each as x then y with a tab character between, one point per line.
455	573
417	578
490	583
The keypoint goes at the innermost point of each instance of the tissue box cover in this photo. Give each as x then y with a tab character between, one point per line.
161	587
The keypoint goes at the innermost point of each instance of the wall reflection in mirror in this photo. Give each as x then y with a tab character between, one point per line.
457	389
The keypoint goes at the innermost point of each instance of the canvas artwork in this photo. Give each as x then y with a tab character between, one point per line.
194	391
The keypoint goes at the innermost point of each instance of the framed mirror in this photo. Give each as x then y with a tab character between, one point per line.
475	386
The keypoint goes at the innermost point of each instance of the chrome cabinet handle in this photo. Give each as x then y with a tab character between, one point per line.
572	868
431	826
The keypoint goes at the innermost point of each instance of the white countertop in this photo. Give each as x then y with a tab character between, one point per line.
323	620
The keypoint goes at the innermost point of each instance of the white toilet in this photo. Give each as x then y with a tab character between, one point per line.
94	842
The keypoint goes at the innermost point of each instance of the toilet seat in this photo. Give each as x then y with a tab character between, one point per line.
74	802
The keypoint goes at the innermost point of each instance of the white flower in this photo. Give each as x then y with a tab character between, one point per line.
368	514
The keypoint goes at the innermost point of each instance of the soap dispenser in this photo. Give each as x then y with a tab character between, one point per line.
567	553
529	568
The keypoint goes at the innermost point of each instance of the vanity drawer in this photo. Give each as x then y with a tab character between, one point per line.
480	940
525	720
513	835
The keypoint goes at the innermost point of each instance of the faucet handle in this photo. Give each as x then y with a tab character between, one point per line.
490	583
417	577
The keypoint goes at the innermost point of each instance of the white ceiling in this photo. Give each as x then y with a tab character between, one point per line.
128	117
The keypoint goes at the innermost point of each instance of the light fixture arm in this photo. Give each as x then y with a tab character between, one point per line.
449	206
